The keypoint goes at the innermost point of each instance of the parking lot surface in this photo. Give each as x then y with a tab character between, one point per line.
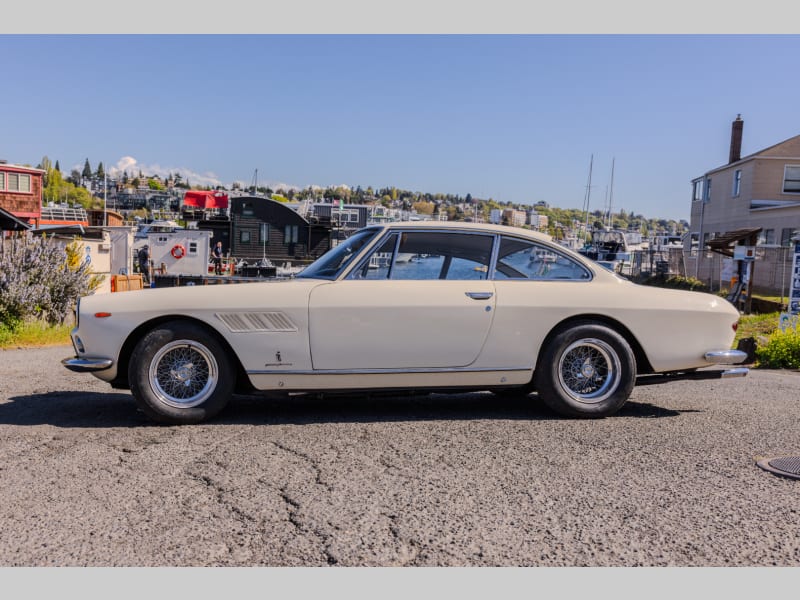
434	480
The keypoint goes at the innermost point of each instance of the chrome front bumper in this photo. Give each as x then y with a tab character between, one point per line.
85	365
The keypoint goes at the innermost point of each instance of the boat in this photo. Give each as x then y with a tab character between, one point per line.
158	226
615	248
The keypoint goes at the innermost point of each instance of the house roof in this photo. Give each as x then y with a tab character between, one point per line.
789	148
9	222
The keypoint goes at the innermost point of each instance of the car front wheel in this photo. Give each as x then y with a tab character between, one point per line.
179	373
587	370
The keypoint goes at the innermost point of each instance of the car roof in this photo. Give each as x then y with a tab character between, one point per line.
463	225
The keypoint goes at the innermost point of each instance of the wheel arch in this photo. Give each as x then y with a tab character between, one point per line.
121	381
643	365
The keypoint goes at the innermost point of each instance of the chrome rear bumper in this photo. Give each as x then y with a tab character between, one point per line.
725	357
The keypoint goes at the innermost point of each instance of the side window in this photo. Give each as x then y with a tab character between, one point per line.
522	259
442	255
423	255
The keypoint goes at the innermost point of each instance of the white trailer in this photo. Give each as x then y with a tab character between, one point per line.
182	252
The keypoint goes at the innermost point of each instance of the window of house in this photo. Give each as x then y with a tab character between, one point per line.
19	182
263	233
244	236
2	181
791	179
192	247
247	209
697	191
786	236
708	190
291	234
766	237
737	182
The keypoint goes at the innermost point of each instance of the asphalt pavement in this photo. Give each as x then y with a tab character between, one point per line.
434	480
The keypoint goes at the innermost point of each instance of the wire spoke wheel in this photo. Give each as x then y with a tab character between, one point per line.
183	373
589	370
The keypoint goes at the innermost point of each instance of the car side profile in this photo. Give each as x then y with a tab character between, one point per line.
419	305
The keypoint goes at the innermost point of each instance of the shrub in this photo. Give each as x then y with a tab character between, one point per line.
781	350
40	280
676	282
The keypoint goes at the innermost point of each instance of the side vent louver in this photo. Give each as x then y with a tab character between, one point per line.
254	322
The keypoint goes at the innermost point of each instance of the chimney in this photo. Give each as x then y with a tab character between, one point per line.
736	140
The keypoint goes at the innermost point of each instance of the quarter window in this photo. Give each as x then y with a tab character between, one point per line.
522	259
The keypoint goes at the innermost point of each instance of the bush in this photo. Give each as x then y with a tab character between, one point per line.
40	280
676	282
781	350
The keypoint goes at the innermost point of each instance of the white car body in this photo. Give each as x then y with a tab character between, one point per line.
360	329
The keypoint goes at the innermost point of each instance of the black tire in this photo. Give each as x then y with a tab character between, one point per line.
179	373
587	370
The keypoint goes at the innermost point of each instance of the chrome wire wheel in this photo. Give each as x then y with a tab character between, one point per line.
183	373
589	370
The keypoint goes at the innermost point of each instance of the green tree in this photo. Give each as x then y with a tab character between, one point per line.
87	170
100	171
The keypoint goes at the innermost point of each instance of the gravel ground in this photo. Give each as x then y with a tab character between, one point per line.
460	480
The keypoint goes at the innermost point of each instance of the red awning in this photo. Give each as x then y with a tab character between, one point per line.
203	199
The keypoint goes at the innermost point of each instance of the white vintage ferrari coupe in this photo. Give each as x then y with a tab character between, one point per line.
409	306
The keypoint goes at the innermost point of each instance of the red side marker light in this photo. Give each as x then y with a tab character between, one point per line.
735	326
102	315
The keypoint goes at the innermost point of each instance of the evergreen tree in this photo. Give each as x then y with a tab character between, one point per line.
100	171
87	170
58	168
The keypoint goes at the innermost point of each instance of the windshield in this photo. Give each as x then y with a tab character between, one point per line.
334	261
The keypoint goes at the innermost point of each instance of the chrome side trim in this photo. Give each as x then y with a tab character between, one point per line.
83	365
257	322
388	371
725	357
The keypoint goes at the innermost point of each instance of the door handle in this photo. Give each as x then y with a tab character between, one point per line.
479	295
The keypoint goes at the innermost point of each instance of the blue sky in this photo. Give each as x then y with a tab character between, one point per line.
511	117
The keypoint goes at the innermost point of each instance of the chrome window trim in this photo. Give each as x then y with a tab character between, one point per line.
497	237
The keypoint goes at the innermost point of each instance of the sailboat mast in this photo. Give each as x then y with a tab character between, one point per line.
611	193
586	197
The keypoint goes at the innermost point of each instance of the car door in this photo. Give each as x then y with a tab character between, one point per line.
421	300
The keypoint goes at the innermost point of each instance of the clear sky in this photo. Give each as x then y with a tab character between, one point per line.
511	117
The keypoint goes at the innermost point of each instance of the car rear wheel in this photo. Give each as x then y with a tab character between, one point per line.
587	370
179	373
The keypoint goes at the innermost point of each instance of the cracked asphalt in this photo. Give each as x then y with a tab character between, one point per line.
460	480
